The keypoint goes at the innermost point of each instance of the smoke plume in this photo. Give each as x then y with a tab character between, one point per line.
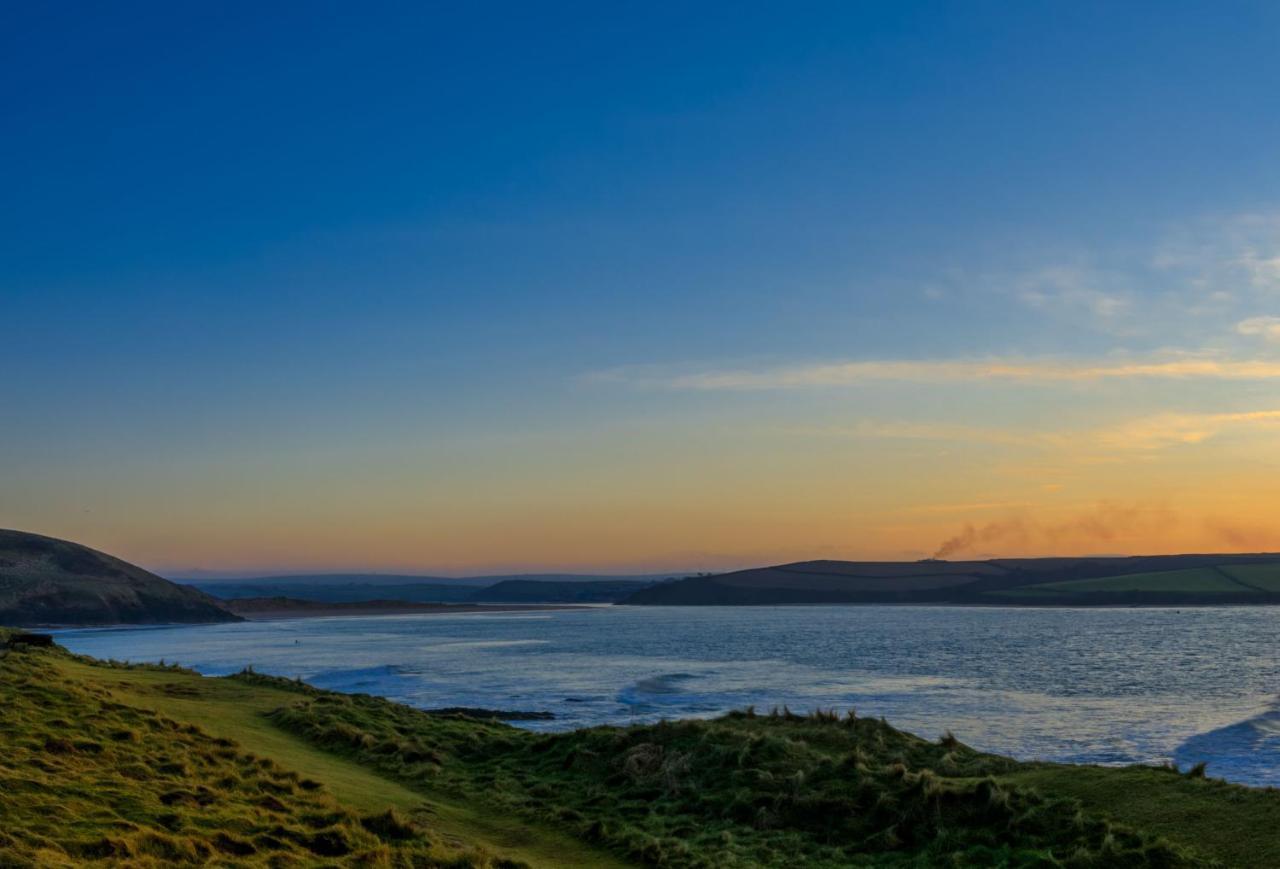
1106	523
1244	537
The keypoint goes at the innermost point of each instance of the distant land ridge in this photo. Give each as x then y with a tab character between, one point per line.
1084	581
488	590
45	581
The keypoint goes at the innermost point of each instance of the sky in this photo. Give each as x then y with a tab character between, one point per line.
484	287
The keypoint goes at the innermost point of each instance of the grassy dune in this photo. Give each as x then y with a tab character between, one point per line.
159	766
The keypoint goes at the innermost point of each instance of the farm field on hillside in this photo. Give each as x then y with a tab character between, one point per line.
1263	576
1204	579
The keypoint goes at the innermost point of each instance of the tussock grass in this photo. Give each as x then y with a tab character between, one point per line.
781	789
86	781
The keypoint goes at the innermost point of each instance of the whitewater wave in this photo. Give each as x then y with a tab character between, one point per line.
372	680
670	694
1247	751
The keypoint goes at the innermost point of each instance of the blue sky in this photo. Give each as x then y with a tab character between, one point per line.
419	286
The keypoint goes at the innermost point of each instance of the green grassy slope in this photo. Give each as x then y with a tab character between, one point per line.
1262	576
1204	579
159	766
85	779
238	707
743	790
1179	580
1235	825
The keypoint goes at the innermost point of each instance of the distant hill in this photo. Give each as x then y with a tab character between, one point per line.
1104	581
337	579
345	593
258	608
280	581
531	591
356	588
505	591
45	581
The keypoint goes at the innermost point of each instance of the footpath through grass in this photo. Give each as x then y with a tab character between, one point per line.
235	711
85	779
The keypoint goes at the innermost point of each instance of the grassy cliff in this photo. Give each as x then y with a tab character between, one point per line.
159	766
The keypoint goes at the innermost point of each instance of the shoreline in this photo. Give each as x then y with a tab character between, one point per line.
275	609
308	732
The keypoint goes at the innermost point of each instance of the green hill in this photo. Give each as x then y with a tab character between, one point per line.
1102	581
88	780
46	581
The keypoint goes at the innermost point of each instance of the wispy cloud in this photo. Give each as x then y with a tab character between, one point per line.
1172	429
1147	433
1191	284
1265	327
836	374
1063	291
949	432
1226	254
973	507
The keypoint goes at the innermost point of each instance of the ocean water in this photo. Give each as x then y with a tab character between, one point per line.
1108	686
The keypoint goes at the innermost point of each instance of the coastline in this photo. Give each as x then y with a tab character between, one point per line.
275	609
576	799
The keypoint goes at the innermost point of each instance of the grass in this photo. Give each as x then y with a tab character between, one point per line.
87	780
238	707
1206	579
1263	576
1235	825
744	790
155	765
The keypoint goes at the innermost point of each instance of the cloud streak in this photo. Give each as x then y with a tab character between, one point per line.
1265	327
1154	432
995	370
1173	429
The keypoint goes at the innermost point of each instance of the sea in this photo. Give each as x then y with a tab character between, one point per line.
1106	686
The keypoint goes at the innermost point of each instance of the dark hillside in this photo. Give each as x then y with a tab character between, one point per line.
503	591
538	591
1157	579
345	593
47	581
